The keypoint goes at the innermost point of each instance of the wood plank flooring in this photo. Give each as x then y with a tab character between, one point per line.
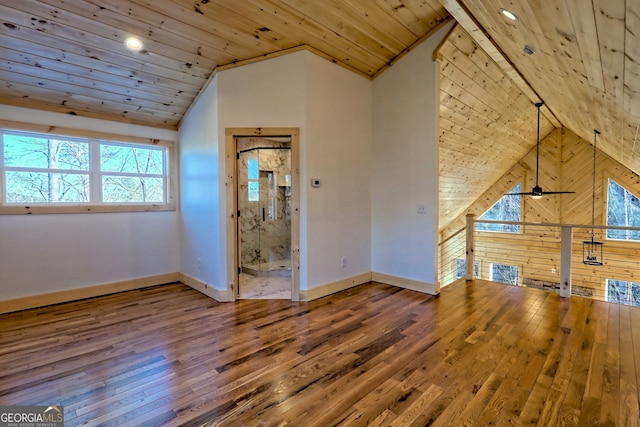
479	354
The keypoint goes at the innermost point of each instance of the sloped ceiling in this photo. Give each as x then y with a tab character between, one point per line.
68	56
487	123
585	64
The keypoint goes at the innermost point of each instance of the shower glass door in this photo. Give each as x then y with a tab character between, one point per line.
264	202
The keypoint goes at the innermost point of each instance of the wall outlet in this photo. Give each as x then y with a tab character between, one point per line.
343	262
422	208
199	263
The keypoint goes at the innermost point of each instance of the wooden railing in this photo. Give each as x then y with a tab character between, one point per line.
546	256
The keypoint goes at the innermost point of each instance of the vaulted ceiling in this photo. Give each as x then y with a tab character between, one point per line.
582	59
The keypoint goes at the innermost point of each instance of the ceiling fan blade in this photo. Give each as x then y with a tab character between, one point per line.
541	193
558	192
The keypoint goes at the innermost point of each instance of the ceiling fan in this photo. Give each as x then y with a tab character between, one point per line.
537	191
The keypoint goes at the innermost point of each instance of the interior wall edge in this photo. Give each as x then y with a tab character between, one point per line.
220	295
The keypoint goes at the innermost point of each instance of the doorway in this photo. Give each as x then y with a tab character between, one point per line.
265	202
264	217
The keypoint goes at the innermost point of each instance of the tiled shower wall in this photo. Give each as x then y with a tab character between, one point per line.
265	241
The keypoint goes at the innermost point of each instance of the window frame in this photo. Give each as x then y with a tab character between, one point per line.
517	267
629	291
520	228
605	213
94	139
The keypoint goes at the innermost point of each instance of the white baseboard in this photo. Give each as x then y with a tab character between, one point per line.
58	297
332	288
208	290
401	282
24	303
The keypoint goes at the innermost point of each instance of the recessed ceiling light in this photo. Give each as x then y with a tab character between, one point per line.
507	13
133	43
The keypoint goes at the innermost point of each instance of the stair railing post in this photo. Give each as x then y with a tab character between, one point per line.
471	257
565	261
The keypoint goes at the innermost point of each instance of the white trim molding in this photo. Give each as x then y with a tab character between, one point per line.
401	282
58	297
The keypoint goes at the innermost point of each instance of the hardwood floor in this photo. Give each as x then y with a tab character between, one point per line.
480	354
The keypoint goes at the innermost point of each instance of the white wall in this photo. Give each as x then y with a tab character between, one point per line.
337	150
202	248
264	94
332	108
405	167
53	252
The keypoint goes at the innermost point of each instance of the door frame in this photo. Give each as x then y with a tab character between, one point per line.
231	192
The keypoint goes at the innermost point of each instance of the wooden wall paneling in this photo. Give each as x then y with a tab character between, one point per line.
566	160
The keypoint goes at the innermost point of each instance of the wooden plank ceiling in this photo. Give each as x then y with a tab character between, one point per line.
68	56
585	64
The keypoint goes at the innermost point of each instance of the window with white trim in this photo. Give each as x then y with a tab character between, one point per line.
48	170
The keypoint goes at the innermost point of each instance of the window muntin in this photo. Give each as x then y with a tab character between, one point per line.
623	209
504	274
623	292
45	170
508	208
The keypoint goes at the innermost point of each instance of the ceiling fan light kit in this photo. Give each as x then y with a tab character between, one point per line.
537	192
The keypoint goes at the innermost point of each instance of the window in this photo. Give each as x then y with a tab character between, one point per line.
506	209
44	170
623	209
623	292
461	266
504	274
253	175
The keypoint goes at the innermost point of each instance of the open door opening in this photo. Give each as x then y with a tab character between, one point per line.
264	217
265	213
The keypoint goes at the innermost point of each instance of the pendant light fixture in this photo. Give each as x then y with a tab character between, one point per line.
592	250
